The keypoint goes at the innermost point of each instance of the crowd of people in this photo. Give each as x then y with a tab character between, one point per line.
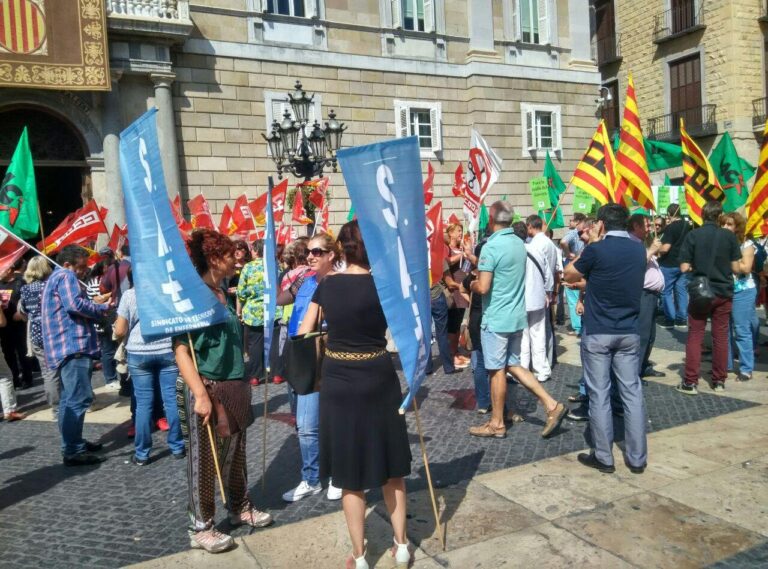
496	308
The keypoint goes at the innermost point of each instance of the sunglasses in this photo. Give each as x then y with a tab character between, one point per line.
317	252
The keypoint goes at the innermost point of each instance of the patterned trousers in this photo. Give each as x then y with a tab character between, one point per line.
201	471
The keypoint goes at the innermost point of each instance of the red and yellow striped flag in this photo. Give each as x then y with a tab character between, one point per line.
22	26
633	179
757	203
701	184
595	174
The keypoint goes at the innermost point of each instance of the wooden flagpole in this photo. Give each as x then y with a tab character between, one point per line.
429	475
40	220
264	432
214	450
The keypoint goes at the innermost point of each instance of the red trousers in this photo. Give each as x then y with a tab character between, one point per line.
720	313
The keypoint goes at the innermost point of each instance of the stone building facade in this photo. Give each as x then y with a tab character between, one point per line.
703	60
521	72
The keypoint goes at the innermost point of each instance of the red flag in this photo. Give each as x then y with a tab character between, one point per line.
225	221
435	241
258	209
429	190
114	238
454	219
201	213
81	226
242	218
322	221
317	197
283	235
459	185
299	215
184	226
278	200
10	251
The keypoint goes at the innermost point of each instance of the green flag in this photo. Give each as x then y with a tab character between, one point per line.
659	155
556	189
483	220
732	172
351	214
18	193
667	181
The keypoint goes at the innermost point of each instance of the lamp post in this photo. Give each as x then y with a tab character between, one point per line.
302	149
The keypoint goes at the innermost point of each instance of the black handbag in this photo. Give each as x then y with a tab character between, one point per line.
304	359
700	293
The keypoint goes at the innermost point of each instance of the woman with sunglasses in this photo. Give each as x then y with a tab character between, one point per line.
322	255
363	437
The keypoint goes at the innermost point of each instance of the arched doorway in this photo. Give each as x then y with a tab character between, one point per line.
58	152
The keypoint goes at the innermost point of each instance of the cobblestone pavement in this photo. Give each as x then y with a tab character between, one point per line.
115	513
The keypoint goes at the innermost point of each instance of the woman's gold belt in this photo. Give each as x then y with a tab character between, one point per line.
354	356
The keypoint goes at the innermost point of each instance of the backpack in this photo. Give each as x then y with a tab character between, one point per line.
760	256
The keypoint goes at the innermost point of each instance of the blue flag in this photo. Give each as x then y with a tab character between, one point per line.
270	276
171	296
384	182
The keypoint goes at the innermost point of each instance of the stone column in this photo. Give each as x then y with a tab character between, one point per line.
481	47
112	122
166	131
579	30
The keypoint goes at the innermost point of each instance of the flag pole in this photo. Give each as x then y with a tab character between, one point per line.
439	527
214	450
35	249
40	220
267	366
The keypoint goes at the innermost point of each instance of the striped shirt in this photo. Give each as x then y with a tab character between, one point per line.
68	319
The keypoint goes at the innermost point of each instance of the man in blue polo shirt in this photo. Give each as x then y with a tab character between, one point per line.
614	269
501	283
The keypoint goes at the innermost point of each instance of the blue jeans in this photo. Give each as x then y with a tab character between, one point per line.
572	296
108	364
482	385
146	370
76	397
742	330
440	318
675	295
308	424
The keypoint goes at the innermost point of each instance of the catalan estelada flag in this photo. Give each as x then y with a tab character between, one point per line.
22	26
757	203
595	174
701	183
632	174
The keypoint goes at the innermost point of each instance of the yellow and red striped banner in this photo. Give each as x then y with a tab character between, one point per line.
757	203
632	174
22	26
595	173
701	184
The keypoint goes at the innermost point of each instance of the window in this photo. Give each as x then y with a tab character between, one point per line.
685	91
421	119
605	32
413	15
541	128
286	7
534	21
276	103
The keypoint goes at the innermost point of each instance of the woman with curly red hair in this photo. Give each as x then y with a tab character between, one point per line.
215	368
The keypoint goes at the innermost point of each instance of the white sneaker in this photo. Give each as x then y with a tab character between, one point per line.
402	554
112	386
333	492
302	491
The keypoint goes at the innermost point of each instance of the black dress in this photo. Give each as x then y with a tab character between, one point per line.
363	437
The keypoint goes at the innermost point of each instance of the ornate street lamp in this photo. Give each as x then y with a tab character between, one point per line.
302	149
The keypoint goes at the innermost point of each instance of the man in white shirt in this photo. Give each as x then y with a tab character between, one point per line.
542	244
538	279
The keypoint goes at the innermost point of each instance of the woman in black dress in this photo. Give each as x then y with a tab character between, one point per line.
363	437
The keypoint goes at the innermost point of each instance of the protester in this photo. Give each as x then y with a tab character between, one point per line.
572	247
675	296
653	285
538	279
13	336
363	437
480	374
250	293
153	368
439	293
243	256
107	346
742	331
323	253
659	225
547	250
610	342
711	252
70	344
217	366
457	304
30	305
7	390
501	281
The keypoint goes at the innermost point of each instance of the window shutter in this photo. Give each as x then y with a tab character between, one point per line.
397	14
429	16
514	19
401	120
543	6
530	134
261	5
310	8
435	129
557	138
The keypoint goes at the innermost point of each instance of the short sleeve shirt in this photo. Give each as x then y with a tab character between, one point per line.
31	305
504	304
673	235
574	242
136	344
698	249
